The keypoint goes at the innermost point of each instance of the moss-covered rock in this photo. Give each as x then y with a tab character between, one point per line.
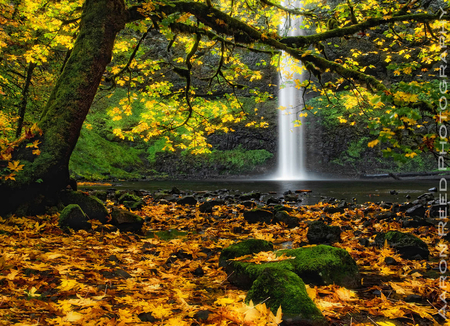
126	221
323	264
91	206
246	247
277	287
407	245
131	201
73	217
318	265
319	232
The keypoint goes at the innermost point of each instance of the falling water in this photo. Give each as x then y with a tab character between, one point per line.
291	158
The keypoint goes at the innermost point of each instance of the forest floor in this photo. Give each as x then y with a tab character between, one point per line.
171	276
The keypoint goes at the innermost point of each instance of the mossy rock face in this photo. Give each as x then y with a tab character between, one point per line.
246	247
91	206
73	217
277	287
126	221
318	265
319	232
407	245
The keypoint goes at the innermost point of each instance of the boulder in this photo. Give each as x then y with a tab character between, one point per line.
284	217
407	245
207	207
258	215
318	265
333	209
417	210
319	232
73	217
189	200
277	287
126	221
91	206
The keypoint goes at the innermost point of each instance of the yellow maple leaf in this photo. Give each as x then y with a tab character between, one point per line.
15	166
373	143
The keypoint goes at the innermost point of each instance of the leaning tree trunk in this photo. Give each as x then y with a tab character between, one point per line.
69	103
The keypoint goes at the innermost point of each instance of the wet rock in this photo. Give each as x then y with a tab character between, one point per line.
438	210
417	210
126	221
434	189
272	200
284	217
189	200
73	217
393	192
333	209
277	287
258	215
208	206
319	232
407	245
426	196
91	206
291	198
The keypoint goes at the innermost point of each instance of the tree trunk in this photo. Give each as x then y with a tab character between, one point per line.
46	174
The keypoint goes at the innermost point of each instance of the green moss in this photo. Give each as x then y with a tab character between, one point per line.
246	247
324	265
278	287
317	265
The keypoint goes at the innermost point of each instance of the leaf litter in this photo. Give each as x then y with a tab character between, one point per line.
48	277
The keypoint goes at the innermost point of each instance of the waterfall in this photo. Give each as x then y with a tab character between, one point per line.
291	149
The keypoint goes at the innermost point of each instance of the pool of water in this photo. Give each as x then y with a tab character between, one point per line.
362	190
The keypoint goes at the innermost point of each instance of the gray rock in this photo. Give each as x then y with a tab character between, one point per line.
126	221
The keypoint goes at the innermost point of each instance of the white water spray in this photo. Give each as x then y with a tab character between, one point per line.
291	149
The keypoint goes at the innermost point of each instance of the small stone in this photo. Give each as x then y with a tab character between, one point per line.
390	261
414	298
198	272
202	315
